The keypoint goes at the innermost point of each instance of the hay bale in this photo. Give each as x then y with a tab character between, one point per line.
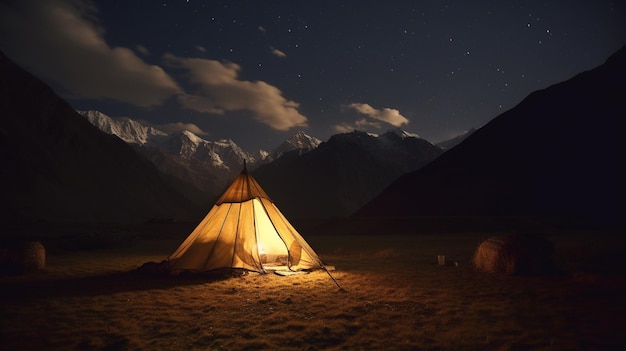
23	258
34	256
515	254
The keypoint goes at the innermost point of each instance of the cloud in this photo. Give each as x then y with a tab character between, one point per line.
386	115
219	90
278	53
62	41
359	124
200	48
181	127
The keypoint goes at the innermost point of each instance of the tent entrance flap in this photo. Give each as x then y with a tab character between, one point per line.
272	249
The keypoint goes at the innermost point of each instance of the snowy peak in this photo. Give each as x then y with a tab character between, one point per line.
300	141
129	130
393	135
403	133
303	141
193	138
185	144
220	158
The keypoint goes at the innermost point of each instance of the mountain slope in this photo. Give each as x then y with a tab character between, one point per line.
450	143
342	174
56	166
559	153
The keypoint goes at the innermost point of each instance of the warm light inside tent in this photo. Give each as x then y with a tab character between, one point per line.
272	249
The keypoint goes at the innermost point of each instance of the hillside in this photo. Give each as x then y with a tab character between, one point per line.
56	166
558	154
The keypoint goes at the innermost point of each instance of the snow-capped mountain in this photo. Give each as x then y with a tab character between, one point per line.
129	130
207	165
222	154
300	141
402	133
349	169
186	145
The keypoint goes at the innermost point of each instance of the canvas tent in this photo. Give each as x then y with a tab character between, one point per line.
244	230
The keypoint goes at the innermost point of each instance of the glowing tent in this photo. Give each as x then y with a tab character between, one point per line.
244	230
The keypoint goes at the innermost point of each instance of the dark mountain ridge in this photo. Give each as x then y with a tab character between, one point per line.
558	154
56	166
342	174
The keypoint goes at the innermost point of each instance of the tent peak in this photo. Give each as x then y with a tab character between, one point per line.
242	189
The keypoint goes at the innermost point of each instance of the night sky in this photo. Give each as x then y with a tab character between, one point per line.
259	71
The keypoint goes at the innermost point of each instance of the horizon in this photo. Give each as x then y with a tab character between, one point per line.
170	132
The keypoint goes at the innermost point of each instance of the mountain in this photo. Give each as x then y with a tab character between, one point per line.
342	174
208	166
56	166
211	165
300	141
222	154
205	165
131	131
557	154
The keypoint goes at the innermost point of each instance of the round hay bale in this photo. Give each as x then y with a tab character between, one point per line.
515	254
34	257
496	255
22	258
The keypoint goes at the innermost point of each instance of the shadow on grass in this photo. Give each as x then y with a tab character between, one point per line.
105	284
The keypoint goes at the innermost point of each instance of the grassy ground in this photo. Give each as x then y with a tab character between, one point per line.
396	297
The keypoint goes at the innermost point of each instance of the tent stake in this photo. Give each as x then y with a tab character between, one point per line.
333	278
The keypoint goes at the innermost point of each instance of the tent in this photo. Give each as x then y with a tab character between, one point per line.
244	230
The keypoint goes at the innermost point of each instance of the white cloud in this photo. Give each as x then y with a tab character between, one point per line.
374	118
386	115
344	128
219	90
278	53
62	41
200	48
359	124
181	127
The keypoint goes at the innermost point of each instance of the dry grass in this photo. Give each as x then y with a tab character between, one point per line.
397	297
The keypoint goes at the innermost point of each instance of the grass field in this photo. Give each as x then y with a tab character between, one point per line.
396	298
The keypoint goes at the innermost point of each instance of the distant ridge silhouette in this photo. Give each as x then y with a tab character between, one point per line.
559	153
56	166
